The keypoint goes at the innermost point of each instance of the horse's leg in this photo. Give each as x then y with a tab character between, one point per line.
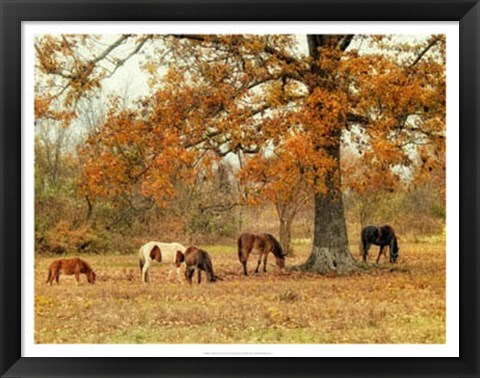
366	247
199	273
259	262
189	274
77	277
243	257
244	263
51	276
57	276
145	271
380	253
265	256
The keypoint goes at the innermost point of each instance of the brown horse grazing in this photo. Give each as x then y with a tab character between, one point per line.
70	266
261	244
196	259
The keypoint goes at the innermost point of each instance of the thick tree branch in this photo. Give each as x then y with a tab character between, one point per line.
358	119
286	58
345	42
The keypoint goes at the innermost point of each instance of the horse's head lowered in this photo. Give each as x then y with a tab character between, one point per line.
278	252
280	260
91	276
394	252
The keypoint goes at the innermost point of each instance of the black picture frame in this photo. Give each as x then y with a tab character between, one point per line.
13	13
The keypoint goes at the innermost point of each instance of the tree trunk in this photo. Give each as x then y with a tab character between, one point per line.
285	234
330	251
286	210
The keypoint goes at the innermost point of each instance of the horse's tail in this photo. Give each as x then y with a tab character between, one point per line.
49	275
240	249
368	232
394	249
362	235
277	248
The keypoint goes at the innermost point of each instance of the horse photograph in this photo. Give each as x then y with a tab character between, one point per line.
223	189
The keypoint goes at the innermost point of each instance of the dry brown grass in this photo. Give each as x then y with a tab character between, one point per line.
403	305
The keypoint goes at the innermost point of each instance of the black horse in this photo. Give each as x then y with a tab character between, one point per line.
381	236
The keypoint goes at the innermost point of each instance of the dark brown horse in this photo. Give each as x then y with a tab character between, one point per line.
196	259
382	236
261	244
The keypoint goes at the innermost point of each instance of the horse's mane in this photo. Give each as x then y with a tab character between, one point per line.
395	243
277	248
208	262
392	232
208	265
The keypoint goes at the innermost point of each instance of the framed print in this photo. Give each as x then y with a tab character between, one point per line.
251	179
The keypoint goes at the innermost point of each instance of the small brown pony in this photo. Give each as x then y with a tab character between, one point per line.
196	259
261	244
70	266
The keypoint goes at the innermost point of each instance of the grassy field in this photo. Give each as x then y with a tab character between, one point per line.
403	305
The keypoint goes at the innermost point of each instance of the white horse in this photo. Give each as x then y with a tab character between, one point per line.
161	252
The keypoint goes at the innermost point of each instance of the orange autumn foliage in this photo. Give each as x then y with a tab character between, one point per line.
252	95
